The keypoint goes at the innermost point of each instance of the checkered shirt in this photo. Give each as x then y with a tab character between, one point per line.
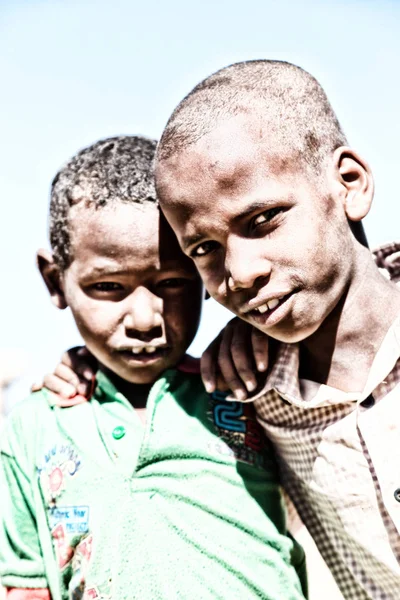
337	453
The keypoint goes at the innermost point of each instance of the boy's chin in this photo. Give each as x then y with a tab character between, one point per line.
290	335
145	374
141	376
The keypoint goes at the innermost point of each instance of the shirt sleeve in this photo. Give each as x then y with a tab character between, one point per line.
27	594
21	561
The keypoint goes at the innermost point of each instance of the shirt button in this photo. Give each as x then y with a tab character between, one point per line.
397	494
118	432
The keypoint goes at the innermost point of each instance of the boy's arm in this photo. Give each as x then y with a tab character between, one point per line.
73	380
235	359
22	566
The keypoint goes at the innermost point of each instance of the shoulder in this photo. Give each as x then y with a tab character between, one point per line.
25	421
31	407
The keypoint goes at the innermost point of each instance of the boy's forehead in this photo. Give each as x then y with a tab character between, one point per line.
233	149
124	232
115	221
238	154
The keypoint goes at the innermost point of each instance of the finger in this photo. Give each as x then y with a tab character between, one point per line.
222	386
81	361
82	386
70	357
208	366
260	344
242	356
67	374
227	368
66	403
83	351
58	386
36	387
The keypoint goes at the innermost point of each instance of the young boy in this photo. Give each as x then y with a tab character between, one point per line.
152	489
255	175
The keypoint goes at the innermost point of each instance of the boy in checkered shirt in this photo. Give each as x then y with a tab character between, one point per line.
258	181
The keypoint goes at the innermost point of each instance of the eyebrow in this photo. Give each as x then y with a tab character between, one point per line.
190	240
255	206
101	271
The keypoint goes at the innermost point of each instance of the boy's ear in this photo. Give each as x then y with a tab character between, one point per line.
356	176
51	275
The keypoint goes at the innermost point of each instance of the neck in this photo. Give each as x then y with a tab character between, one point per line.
340	353
136	393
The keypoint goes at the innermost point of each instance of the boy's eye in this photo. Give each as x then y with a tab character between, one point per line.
266	216
107	286
203	249
172	283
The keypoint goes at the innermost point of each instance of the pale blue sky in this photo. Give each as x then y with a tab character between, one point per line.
75	71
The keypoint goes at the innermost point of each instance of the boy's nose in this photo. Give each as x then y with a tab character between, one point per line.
245	265
144	312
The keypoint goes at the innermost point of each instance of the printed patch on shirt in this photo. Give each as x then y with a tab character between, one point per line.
75	518
240	432
59	463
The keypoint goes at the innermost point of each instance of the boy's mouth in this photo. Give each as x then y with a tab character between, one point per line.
144	354
270	312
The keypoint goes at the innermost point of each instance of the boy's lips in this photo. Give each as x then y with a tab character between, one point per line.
267	302
143	354
269	312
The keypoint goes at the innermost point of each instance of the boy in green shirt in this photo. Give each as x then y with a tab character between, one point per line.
154	488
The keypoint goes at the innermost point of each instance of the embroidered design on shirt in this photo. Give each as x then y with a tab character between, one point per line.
237	427
102	592
80	565
73	557
64	551
59	463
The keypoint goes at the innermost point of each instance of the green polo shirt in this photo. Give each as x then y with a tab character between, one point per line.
97	505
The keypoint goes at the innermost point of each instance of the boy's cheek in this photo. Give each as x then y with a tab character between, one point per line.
191	309
181	318
214	282
94	323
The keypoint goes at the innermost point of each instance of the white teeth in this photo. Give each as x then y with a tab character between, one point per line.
263	308
273	303
270	305
147	349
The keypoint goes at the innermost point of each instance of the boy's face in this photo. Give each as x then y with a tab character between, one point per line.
271	244
135	297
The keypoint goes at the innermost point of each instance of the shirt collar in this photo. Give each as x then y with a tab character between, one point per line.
104	388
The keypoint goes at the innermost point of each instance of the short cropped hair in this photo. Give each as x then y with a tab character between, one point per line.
117	169
290	101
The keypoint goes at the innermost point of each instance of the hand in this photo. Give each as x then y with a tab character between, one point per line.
72	380
235	357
